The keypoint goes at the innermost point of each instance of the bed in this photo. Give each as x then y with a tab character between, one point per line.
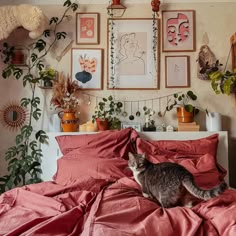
89	191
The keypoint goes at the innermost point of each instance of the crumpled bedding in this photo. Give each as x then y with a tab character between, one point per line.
98	207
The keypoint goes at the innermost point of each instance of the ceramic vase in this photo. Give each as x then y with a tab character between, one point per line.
213	121
69	121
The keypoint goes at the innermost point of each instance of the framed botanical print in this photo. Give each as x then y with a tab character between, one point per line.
178	31
133	54
87	67
177	71
87	28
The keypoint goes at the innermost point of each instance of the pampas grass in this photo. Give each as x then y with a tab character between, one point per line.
64	93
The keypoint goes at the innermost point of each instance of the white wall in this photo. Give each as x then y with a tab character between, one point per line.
210	19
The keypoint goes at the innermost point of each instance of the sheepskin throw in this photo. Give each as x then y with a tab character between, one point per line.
28	16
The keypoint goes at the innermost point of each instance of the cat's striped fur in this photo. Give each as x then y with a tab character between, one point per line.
168	182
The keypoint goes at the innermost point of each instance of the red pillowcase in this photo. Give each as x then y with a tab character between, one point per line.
198	156
105	144
194	147
70	169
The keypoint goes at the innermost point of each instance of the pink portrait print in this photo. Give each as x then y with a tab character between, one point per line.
177	29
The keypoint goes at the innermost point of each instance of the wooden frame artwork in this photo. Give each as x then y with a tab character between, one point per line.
87	28
87	67
178	31
133	56
177	70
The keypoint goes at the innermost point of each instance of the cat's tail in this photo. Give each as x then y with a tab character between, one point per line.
203	194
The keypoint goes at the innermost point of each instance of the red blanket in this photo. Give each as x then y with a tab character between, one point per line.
92	207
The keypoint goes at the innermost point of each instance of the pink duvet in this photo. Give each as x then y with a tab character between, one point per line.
92	207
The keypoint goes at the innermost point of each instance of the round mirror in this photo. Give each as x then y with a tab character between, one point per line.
13	116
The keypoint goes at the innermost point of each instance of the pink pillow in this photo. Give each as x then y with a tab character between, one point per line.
194	147
70	169
104	144
198	156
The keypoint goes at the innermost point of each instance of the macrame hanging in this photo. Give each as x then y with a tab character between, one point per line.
206	59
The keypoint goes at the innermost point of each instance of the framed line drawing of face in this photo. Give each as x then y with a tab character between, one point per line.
133	59
178	31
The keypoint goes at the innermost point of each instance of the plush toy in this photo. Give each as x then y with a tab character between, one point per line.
28	16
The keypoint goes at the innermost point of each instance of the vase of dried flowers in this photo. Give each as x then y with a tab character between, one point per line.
66	98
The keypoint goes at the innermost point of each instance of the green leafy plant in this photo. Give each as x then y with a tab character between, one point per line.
221	82
111	25
183	100
24	157
108	109
47	76
149	121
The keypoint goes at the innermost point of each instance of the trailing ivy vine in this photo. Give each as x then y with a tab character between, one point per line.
111	39
24	157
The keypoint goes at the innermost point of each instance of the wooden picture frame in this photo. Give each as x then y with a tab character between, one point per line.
133	55
87	28
87	67
178	31
177	71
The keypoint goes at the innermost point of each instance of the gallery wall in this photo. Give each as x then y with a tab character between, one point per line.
211	23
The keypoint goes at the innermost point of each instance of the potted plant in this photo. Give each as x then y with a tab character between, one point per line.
185	110
149	122
221	82
106	112
65	99
47	76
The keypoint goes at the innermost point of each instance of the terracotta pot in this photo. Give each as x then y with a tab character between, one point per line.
69	121
184	116
18	58
116	2
102	124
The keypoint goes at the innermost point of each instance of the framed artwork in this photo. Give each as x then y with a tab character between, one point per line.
87	67
177	71
133	54
87	28
178	31
136	126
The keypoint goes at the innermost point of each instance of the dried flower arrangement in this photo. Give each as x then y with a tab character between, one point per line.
65	94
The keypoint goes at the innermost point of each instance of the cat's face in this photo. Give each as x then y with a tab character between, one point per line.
137	162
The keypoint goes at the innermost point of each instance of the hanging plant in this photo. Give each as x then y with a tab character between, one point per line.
24	157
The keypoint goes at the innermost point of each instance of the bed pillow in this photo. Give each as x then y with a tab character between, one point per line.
198	156
105	144
70	169
207	145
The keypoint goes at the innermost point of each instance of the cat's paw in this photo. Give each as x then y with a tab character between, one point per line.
145	195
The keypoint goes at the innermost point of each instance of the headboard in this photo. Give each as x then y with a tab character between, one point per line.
51	152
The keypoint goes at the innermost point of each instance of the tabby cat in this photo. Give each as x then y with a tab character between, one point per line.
168	183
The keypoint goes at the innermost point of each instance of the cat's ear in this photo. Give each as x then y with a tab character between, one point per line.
131	155
143	155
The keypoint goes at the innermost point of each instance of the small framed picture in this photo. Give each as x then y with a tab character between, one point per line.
178	31
177	71
87	28
87	67
136	126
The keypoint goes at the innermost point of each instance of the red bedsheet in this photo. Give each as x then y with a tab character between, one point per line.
92	207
